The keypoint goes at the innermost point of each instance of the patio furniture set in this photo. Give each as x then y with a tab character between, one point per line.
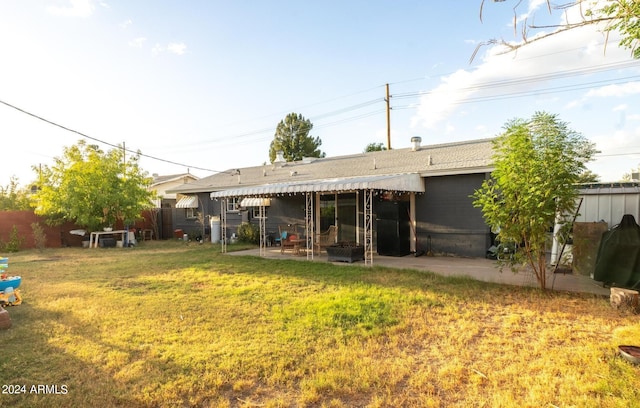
290	238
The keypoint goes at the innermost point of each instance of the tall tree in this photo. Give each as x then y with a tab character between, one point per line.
293	139
92	188
612	15
374	147
537	162
588	176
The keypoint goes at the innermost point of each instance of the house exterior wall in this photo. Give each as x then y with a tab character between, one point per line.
162	188
285	211
192	226
282	211
445	213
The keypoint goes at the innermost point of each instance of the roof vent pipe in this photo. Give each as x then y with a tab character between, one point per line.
415	143
279	157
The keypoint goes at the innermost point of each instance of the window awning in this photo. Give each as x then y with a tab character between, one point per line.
189	201
395	182
255	202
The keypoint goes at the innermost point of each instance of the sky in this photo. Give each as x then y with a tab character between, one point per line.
200	86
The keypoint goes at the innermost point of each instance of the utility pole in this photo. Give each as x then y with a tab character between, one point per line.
388	119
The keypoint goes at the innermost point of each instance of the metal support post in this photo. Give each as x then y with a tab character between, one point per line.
368	230
223	225
309	224
263	232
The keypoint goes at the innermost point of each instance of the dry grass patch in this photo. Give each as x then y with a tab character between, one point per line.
168	324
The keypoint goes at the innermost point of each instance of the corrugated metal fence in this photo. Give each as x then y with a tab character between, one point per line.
609	202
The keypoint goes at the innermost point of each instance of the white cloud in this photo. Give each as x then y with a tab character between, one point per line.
177	48
125	24
608	91
522	71
621	107
75	8
450	129
620	152
137	42
630	88
534	5
438	104
157	49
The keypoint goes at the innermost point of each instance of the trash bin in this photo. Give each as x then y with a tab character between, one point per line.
215	230
178	234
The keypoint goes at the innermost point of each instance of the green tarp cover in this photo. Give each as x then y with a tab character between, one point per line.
618	261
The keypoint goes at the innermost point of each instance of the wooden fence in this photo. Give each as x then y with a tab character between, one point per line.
56	236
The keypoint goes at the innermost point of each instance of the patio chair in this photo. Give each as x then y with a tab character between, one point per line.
285	232
324	239
289	241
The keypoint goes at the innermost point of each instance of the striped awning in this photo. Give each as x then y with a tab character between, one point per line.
189	201
394	182
255	202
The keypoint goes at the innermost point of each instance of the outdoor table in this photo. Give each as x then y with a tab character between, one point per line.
297	245
94	237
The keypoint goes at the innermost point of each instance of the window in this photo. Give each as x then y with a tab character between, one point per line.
233	204
191	213
255	212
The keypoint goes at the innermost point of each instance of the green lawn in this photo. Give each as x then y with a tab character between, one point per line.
168	324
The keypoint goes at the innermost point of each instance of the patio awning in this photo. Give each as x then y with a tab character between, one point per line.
255	202
395	182
189	201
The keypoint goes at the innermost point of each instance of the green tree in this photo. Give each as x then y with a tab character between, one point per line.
623	16
12	197
92	188
537	162
588	176
614	15
374	147
293	139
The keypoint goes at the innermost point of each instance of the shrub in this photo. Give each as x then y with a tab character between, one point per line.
249	233
15	241
39	237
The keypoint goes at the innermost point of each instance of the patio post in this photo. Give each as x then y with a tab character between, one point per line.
368	230
263	233
309	224
223	224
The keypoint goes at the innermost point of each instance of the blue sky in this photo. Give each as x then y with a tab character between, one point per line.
204	83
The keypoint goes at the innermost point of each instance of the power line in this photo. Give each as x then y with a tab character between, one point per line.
542	91
314	118
102	141
320	117
531	79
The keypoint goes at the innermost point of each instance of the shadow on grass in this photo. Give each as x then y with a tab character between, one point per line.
68	381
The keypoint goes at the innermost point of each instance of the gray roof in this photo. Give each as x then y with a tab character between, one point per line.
467	157
171	177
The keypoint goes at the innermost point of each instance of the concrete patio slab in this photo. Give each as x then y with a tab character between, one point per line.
476	268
